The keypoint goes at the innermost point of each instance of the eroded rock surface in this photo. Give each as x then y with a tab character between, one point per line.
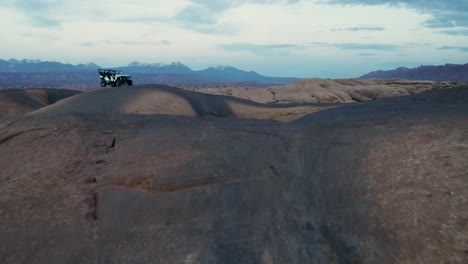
327	90
380	182
14	102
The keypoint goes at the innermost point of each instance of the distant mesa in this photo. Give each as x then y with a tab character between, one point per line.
447	72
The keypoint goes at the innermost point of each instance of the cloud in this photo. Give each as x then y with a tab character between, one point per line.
136	42
203	18
366	54
455	32
88	44
218	28
271	49
268	49
142	20
459	48
445	13
416	44
128	43
249	46
37	11
367	46
49	13
222	5
195	18
45	22
196	14
201	14
38	36
354	29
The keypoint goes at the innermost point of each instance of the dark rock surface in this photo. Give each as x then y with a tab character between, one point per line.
380	182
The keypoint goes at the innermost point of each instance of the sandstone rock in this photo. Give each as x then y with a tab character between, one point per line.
15	102
91	180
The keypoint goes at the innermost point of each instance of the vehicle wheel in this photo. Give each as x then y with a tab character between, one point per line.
118	83
113	84
129	82
103	84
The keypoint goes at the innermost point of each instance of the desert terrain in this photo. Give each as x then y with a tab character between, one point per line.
318	171
14	102
325	90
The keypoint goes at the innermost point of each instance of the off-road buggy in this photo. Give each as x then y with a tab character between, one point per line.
114	78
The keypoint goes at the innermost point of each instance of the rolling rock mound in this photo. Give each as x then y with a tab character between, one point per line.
327	91
19	102
165	100
103	177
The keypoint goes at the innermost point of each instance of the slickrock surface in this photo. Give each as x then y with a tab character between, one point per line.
15	102
162	175
327	91
165	100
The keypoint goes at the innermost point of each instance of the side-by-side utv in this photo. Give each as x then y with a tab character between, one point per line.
114	78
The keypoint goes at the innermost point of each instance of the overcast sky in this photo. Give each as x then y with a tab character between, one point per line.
308	38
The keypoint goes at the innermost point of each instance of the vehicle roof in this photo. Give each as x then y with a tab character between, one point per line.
109	70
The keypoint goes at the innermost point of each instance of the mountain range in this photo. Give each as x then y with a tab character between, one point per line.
174	73
447	72
36	73
13	66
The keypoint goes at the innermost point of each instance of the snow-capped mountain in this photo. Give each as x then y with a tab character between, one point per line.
24	61
88	66
230	73
24	65
138	67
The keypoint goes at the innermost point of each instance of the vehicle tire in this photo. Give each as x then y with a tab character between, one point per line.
118	83
103	84
129	82
113	84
